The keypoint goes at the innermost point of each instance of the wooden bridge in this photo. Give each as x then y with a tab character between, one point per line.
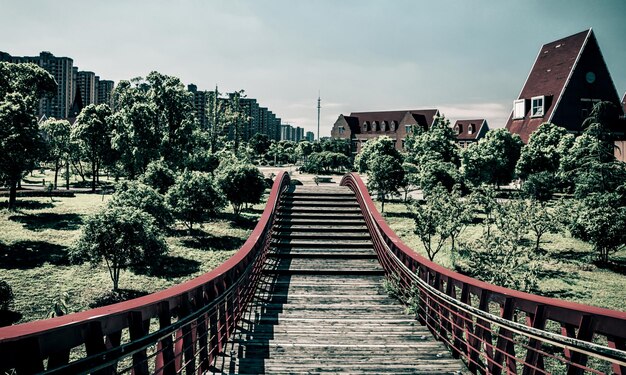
305	295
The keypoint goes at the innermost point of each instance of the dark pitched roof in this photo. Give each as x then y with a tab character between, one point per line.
548	76
463	135
353	123
427	115
624	103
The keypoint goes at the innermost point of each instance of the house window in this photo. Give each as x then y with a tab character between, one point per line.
377	126
458	128
341	130
407	128
393	126
519	108
471	129
537	106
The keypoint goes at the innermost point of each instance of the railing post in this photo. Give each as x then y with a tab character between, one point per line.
468	324
534	360
618	343
32	362
137	330
585	333
94	340
505	349
201	301
188	333
165	348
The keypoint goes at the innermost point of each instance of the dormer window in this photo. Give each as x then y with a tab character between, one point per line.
393	126
537	106
407	128
458	128
366	126
377	126
519	108
471	129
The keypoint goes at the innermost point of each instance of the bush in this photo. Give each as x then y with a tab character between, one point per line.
145	198
195	197
6	296
540	186
242	184
159	176
125	237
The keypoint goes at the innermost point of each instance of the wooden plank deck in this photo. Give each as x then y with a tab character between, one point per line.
321	306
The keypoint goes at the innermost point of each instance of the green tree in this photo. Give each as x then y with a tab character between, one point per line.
304	150
92	132
379	146
21	87
276	151
540	186
542	153
591	164
600	219
260	143
124	237
242	184
436	144
336	145
195	197
136	137
492	160
385	176
159	176
56	134
432	224
541	220
137	195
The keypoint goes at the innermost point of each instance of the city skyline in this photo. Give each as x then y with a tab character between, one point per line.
467	60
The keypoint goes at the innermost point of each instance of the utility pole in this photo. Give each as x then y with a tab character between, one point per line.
318	116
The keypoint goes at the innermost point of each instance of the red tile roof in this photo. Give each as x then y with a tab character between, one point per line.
548	76
464	135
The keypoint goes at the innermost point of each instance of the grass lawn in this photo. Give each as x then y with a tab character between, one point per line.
569	272
35	239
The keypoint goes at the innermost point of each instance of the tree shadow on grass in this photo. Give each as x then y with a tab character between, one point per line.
564	294
568	277
48	220
171	267
119	295
209	242
31	254
8	317
617	266
570	256
25	204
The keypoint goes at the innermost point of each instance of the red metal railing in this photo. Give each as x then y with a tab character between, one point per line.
183	327
493	329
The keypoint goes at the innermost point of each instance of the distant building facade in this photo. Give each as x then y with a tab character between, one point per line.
470	131
360	127
310	136
258	119
70	83
104	91
568	77
291	133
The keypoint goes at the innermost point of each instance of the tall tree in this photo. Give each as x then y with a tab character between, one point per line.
492	160
56	134
379	146
92	131
21	86
385	176
542	153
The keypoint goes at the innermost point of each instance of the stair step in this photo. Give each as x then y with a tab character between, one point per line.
324	253
324	220
347	236
343	244
322	228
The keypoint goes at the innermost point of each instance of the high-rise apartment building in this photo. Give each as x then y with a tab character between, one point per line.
70	82
310	136
104	91
86	82
60	68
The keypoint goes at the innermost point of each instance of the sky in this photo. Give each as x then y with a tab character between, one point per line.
469	59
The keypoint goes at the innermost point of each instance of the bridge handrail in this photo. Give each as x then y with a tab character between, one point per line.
27	347
447	320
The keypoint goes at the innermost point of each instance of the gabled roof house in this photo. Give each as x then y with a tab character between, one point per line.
470	131
359	127
568	77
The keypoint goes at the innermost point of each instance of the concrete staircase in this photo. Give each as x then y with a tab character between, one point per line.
321	307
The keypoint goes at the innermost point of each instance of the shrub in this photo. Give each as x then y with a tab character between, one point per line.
540	186
159	176
242	184
145	198
195	197
122	236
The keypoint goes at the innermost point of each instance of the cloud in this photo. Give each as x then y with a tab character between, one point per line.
496	114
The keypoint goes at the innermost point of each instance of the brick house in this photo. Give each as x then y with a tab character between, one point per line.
470	131
359	127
